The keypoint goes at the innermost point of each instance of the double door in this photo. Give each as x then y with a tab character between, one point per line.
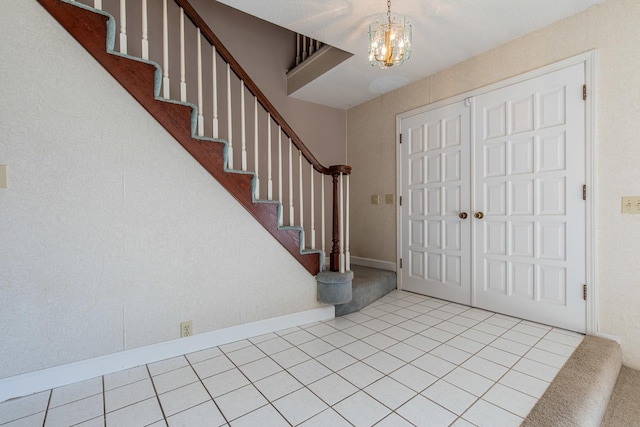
493	214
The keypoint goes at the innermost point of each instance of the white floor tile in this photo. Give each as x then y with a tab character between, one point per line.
321	329
278	385
449	396
490	328
536	369
413	326
562	337
546	357
299	337
174	379
336	359
469	381
510	346
404	352
339	339
23	407
485	414
520	337
380	341
332	389
554	347
535	329
359	349
465	344
392	318
340	323
464	321
450	354
240	402
309	371
143	413
485	367
183	398
266	416
440	314
498	356
384	362
128	394
428	320
34	420
377	325
359	331
225	382
357	317
202	355
167	365
398	333
362	410
259	369
394	420
206	413
315	347
128	376
422	412
75	412
437	334
479	336
524	383
451	327
213	366
413	377
360	374
264	337
422	343
328	417
299	406
389	392
76	391
246	355
434	365
274	345
291	357
237	345
510	400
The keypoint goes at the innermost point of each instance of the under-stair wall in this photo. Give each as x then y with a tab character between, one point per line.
112	234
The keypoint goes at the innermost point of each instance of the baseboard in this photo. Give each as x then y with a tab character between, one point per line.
373	263
45	379
609	337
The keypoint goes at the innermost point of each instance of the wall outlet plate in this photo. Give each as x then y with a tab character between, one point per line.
631	205
186	329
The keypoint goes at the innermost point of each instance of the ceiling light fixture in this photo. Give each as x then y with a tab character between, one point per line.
389	40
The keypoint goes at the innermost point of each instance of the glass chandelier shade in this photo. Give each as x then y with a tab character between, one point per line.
389	40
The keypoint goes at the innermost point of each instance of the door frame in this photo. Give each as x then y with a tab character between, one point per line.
589	59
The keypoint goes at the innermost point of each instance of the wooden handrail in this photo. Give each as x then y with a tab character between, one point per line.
208	34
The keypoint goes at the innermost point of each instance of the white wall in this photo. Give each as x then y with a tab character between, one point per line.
110	233
611	28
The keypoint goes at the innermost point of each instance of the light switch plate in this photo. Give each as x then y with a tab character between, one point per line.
375	199
3	176
389	199
631	205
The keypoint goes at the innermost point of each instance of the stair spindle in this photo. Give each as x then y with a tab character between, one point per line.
256	163
229	129
300	189
269	178
166	93
313	213
123	26
214	84
323	235
200	107
97	4
347	252
280	195
291	210
183	81
243	133
145	30
341	221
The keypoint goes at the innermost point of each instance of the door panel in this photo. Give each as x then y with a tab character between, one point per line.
530	244
436	169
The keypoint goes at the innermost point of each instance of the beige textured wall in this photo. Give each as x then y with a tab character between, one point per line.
612	29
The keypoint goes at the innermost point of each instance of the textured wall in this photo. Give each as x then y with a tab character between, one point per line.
612	29
110	233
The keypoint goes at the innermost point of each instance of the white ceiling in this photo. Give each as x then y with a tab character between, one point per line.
445	32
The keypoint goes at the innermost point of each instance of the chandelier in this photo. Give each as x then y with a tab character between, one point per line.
389	40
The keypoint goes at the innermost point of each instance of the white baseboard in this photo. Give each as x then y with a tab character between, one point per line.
45	379
373	263
609	337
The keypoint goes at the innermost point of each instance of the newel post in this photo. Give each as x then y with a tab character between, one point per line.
337	249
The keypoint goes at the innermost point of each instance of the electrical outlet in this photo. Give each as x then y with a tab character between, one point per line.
186	329
631	205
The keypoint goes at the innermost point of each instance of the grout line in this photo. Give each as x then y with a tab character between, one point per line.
104	403
164	417
206	389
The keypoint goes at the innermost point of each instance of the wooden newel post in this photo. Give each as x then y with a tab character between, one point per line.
334	256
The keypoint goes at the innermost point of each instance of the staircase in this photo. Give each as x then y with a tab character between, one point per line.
591	389
242	134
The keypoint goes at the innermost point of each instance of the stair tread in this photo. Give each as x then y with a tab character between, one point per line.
624	405
579	394
369	284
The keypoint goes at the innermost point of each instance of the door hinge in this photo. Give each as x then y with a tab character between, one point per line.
584	192
584	92
400	200
584	292
400	262
400	138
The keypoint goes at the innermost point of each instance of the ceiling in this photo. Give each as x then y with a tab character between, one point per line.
445	32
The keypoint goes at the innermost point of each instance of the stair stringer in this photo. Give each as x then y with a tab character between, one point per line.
95	31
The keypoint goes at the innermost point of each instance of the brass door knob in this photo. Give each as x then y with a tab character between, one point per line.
479	215
463	215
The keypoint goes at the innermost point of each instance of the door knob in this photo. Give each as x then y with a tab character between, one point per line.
463	215
479	215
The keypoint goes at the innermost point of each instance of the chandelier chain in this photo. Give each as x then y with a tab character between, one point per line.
389	10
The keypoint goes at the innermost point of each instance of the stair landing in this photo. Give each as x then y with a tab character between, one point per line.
369	284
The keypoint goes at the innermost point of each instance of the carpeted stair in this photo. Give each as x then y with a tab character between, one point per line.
369	284
591	389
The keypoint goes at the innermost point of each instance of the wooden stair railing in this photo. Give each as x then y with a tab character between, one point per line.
139	77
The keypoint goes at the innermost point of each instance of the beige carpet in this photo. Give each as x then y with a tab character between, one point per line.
624	406
579	394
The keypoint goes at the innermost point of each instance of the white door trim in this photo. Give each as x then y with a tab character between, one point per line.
589	59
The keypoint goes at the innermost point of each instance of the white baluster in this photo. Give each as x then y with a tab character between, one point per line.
313	213
183	81
298	49
312	47
97	4
323	236
300	189
280	196
347	252
341	224
243	136
215	90
256	162
165	52
145	31
123	26
230	130
291	210
200	107
269	167
304	48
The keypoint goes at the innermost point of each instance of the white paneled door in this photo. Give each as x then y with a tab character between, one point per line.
521	248
435	222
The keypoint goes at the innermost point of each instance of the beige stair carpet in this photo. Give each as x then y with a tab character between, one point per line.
579	394
624	405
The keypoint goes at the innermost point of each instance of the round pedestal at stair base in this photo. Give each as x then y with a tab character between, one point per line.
334	287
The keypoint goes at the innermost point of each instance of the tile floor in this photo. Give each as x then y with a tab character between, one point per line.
404	360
